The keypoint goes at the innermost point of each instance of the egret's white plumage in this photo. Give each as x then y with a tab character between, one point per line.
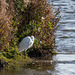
26	43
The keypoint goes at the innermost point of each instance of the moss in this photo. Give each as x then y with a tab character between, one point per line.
3	59
53	52
19	61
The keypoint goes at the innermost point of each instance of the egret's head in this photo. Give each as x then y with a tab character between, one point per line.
32	37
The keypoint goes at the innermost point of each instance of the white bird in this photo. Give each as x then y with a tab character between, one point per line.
26	43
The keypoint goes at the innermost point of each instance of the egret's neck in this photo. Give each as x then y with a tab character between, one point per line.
32	37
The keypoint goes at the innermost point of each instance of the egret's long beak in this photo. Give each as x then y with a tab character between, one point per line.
35	39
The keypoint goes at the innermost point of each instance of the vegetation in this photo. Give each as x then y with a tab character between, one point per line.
34	17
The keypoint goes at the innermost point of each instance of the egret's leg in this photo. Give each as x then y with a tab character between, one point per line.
26	55
24	52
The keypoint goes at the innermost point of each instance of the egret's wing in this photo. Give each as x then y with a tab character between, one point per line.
24	44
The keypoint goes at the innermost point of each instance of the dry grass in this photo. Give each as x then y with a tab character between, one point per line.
6	15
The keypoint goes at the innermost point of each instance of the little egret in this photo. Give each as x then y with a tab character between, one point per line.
26	43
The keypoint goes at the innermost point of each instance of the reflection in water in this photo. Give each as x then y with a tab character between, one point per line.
42	65
39	67
59	65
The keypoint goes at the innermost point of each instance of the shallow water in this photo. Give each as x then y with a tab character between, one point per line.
63	63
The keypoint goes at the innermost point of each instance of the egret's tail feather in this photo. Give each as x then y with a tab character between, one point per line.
21	49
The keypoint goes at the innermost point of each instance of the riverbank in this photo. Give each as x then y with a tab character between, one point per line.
19	19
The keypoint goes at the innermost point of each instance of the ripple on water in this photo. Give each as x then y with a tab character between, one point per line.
64	57
65	64
64	69
73	0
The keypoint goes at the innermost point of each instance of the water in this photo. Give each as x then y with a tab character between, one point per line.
63	63
65	39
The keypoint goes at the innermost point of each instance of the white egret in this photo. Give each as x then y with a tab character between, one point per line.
26	43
